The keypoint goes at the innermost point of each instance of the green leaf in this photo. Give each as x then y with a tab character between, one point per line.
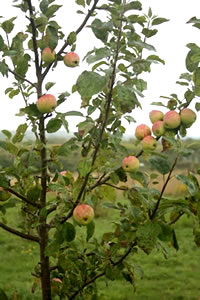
188	182
174	241
101	29
80	2
73	113
7	133
44	6
133	5
49	85
99	54
158	21
149	32
150	12
3	296
1	43
13	93
69	232
90	230
20	132
84	167
53	125
197	106
161	164
142	45
90	83
3	68
155	59
52	37
51	10
71	39
8	25
147	235
63	150
126	98
11	148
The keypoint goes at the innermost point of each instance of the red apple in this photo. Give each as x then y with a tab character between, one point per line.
83	214
130	164
141	131
71	59
172	119
156	115
188	117
46	103
149	143
158	128
4	195
48	56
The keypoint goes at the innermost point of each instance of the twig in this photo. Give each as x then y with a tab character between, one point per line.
22	78
177	218
19	233
22	197
77	32
163	189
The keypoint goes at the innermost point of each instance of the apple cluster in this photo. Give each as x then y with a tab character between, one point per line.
163	125
71	59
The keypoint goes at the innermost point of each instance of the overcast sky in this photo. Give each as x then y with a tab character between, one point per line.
170	43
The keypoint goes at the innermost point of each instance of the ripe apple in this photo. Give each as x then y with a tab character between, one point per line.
156	115
48	56
188	117
158	128
141	131
83	214
130	164
172	119
71	59
149	143
46	103
4	195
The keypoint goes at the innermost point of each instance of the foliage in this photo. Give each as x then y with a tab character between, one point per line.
70	263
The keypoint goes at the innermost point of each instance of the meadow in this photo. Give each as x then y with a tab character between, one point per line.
175	278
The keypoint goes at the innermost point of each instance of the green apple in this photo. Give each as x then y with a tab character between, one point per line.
158	128
71	59
4	195
172	119
156	115
46	103
130	163
141	131
83	214
188	117
149	143
48	56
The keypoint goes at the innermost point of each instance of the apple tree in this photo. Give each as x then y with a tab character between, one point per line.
57	203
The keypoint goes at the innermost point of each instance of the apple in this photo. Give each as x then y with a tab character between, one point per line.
4	195
188	117
172	119
56	285
158	128
83	214
71	59
46	103
156	115
149	143
130	163
141	131
48	56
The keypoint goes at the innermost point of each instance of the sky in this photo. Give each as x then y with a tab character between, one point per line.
170	43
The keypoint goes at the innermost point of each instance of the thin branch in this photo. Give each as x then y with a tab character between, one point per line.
22	197
163	189
19	233
77	32
103	273
22	78
180	214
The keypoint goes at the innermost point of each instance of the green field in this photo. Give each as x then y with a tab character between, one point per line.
174	278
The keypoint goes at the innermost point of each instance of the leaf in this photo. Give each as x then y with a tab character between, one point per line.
7	133
63	150
20	132
80	2
84	167
71	39
44	6
49	85
158	21
90	83
8	25
69	232
52	37
3	68
90	230
101	29
54	125
73	113
11	148
197	106
142	45
51	10
1	43
99	54
188	182
149	32
133	5
161	164
147	235
155	59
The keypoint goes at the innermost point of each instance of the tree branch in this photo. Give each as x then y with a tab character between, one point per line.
163	189
180	214
77	32
22	78
22	197
20	234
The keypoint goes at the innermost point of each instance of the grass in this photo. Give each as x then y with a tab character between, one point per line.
175	278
